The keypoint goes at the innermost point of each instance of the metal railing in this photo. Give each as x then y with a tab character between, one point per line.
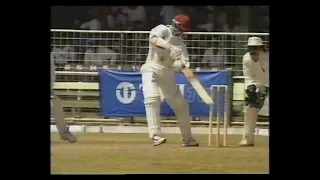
88	50
79	53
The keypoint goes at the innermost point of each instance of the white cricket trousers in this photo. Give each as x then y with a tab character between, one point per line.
58	114
250	120
163	83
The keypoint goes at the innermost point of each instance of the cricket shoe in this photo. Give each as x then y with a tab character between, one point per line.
67	136
157	140
246	142
190	143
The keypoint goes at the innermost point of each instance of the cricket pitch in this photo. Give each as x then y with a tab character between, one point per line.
109	153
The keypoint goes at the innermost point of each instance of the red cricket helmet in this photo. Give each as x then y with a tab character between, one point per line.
181	23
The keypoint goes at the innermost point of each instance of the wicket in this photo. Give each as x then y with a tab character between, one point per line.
216	89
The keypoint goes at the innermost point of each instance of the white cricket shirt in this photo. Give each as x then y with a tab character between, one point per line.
165	33
256	72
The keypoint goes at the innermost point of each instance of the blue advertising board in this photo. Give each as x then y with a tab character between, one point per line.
121	93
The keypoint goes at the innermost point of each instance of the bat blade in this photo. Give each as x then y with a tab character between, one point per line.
197	86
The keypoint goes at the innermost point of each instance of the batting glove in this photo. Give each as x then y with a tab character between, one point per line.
175	52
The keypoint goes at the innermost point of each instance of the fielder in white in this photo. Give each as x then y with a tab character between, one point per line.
167	54
57	110
256	73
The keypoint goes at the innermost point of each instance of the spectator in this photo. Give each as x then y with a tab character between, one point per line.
93	24
62	54
136	15
222	22
168	13
214	56
96	13
99	55
116	20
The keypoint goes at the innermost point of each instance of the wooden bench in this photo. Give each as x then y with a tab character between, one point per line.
238	88
75	95
238	91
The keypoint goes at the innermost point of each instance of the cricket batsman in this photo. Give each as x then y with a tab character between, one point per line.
57	111
167	54
256	73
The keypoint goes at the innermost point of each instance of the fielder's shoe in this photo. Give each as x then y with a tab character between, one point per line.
157	140
67	136
246	142
190	143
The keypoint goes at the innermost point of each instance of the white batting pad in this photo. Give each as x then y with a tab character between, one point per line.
153	118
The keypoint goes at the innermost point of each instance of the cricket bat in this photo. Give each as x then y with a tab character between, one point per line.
197	86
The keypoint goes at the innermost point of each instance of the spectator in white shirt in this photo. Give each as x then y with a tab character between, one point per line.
215	56
100	55
96	14
136	14
63	54
94	24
